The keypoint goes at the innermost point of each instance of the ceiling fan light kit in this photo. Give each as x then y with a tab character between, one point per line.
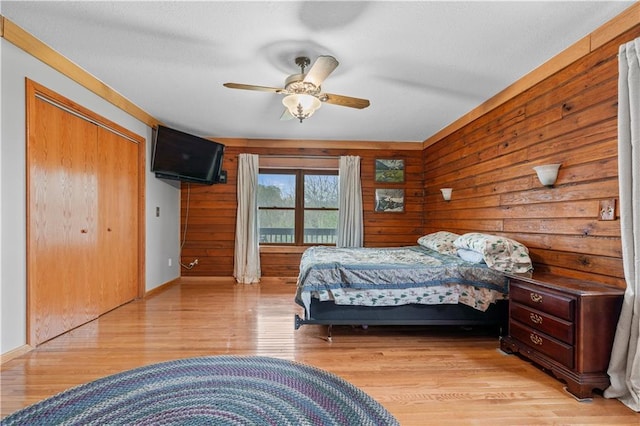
301	106
303	94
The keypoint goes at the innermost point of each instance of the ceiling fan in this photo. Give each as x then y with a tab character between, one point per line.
303	93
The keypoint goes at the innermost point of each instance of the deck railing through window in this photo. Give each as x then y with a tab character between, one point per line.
285	235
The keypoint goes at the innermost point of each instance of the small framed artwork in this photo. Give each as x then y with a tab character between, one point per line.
390	171
389	200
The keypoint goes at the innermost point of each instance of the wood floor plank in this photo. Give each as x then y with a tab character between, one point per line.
422	375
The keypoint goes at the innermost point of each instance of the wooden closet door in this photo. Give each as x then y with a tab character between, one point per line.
62	222
118	219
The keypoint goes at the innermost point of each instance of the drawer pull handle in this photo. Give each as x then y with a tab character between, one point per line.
535	318
537	340
535	297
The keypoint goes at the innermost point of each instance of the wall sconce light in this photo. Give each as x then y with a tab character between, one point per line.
446	193
547	173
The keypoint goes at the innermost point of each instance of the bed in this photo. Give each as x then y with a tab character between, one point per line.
427	284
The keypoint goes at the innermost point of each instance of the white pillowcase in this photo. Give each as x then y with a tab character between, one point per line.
470	256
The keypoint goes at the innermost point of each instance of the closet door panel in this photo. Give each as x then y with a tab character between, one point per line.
118	218
62	237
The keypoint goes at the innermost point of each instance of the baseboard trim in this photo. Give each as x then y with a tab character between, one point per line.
161	287
14	353
218	279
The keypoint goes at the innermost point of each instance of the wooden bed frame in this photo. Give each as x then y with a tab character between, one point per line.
328	313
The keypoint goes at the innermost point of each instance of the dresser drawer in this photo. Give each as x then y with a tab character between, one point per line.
542	300
542	343
537	320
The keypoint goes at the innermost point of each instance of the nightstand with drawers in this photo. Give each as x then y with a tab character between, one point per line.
565	325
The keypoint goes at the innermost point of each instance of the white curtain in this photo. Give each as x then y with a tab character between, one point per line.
350	226
246	267
624	368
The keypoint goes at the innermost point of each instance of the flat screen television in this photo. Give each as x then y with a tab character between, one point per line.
180	156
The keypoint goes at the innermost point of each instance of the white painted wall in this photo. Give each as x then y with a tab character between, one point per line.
162	233
2	321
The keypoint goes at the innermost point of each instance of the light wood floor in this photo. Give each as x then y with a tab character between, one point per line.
422	375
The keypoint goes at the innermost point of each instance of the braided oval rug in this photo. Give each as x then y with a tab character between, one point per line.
216	390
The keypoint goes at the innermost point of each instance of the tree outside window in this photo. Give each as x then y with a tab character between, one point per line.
298	207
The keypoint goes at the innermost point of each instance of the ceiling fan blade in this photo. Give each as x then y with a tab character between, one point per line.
286	115
321	68
253	87
346	101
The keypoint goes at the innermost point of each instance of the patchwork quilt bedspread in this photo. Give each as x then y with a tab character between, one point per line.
395	276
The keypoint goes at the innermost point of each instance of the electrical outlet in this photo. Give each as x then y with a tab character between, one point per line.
607	209
170	262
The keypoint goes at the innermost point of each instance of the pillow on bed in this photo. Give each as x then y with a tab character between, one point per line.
441	241
470	256
499	253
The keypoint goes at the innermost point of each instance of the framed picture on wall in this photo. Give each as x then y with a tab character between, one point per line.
389	200
390	171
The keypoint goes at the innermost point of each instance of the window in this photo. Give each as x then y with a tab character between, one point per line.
298	206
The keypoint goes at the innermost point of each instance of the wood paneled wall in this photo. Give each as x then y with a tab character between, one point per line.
210	235
568	118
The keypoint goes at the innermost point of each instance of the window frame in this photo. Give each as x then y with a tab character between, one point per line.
299	207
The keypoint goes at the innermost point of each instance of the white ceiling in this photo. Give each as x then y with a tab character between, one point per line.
422	64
